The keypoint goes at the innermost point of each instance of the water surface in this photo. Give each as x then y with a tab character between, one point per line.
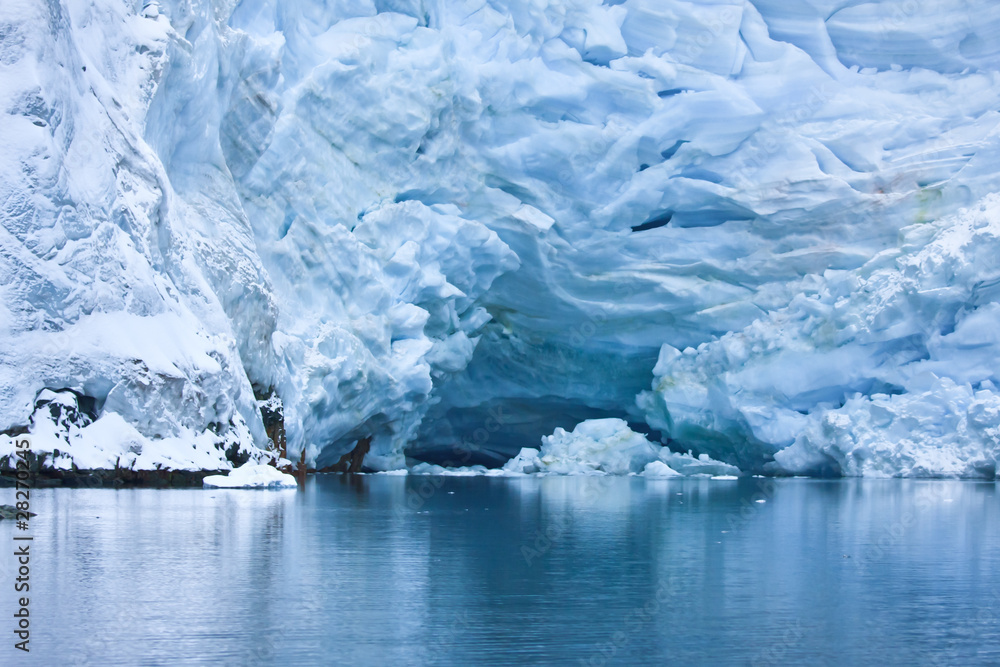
384	570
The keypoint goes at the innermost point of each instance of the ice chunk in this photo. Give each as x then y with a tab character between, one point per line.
251	476
527	461
659	469
596	446
463	471
703	464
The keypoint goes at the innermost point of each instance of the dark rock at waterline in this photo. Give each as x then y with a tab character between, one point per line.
272	413
352	461
110	479
11	512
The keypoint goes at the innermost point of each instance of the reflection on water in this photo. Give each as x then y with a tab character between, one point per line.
558	570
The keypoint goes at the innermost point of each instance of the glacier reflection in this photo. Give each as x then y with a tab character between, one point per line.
456	571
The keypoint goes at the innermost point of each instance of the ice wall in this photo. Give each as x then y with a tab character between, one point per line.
114	283
475	221
884	370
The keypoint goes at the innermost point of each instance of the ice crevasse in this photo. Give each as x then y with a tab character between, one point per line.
763	232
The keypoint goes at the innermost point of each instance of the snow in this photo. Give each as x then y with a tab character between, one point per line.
112	442
251	476
434	224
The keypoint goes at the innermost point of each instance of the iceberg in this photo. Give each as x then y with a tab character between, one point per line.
454	228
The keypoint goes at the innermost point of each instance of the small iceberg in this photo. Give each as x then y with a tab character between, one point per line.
659	469
251	476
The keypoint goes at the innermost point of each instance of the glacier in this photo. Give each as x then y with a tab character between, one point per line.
759	232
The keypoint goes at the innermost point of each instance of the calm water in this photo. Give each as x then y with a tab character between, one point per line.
364	570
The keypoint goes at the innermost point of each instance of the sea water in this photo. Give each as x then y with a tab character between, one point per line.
415	570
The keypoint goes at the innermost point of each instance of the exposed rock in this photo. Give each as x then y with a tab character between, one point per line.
352	461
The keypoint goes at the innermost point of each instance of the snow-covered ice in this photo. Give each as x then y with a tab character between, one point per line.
766	229
251	476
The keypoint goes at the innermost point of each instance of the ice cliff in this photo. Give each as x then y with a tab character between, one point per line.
762	231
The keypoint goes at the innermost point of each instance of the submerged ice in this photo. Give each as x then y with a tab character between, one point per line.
760	233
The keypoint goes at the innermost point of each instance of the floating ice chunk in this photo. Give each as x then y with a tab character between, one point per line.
432	469
659	469
596	446
251	476
527	461
687	464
